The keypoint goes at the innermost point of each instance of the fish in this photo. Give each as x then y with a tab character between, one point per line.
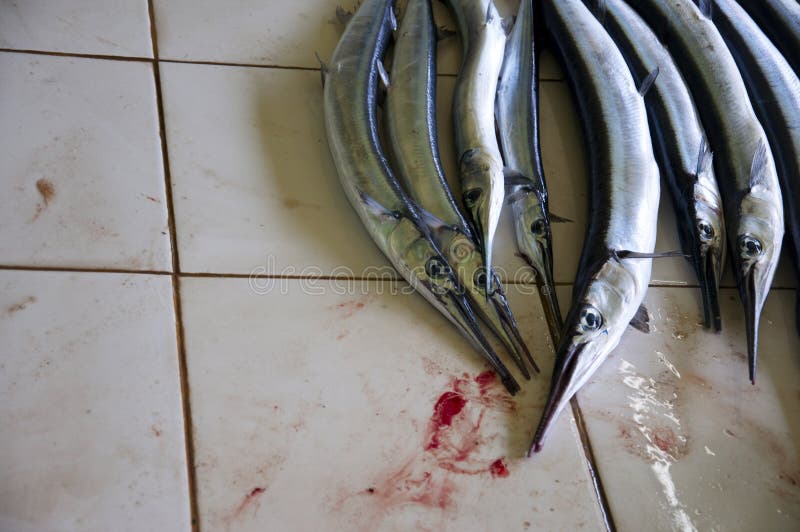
350	87
774	89
610	284
410	118
743	162
681	148
481	172
517	120
780	21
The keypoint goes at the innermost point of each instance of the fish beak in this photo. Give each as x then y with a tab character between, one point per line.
509	324
752	297
708	270
559	387
481	227
542	264
464	316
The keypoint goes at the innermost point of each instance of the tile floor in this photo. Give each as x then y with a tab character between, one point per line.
149	382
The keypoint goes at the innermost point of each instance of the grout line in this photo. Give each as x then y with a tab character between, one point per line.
83	56
78	269
188	432
591	463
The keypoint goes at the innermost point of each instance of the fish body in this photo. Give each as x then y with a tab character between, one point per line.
411	126
480	163
780	20
743	161
625	191
394	223
518	127
680	145
775	92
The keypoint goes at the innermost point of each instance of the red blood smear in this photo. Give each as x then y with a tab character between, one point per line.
486	379
498	468
449	405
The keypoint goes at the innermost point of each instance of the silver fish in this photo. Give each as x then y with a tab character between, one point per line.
480	164
396	226
775	91
610	284
680	145
518	127
744	164
780	20
411	126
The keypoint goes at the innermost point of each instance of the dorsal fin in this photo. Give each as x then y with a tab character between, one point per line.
434	222
600	11
706	8
641	320
343	15
376	207
758	169
648	81
392	19
514	178
323	68
704	158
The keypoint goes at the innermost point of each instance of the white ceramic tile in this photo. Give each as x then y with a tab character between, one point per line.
82	180
101	27
254	184
261	33
677	427
323	420
90	404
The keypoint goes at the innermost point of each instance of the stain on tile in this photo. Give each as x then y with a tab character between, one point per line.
21	305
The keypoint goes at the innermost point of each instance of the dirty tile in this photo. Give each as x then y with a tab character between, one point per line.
82	181
379	417
677	427
260	33
90	404
99	27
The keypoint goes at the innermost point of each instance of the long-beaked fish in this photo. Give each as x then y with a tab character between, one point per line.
396	226
616	262
411	126
775	92
680	145
743	161
518	128
483	40
780	20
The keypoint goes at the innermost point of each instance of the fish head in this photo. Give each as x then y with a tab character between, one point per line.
709	246
483	194
758	232
601	310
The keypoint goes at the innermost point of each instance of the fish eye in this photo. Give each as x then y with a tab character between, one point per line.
705	230
591	319
437	269
479	279
538	227
471	196
750	247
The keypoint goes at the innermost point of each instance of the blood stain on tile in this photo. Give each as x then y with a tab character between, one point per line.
249	500
21	305
451	447
47	191
342	334
156	431
151	198
348	308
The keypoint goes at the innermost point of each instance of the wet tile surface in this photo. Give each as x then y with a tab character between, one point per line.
380	417
90	406
97	27
82	182
677	426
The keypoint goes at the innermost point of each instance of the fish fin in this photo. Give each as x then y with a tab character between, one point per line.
444	33
508	24
600	11
704	157
382	73
433	221
706	8
489	13
648	81
393	19
516	194
323	69
627	254
554	218
758	169
376	207
641	320
513	178
343	16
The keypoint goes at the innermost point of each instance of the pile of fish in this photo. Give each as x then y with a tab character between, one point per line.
704	94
